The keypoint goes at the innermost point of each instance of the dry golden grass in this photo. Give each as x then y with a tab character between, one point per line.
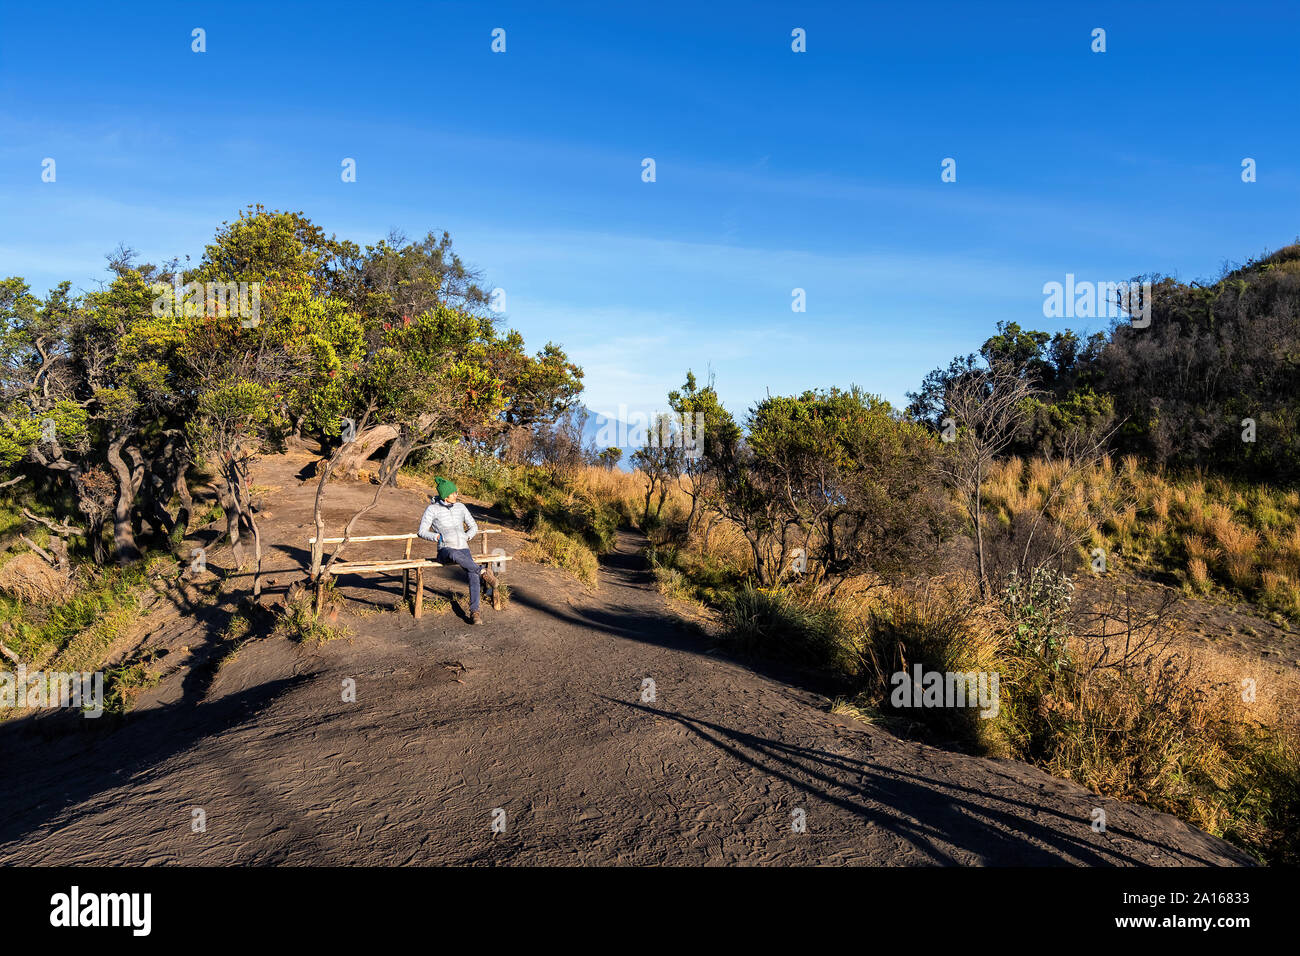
1290	545
1240	569
625	491
1168	729
1275	689
1198	549
1206	734
1212	533
1282	589
726	545
33	580
1198	573
610	484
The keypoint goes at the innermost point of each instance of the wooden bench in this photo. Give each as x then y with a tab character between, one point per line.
406	564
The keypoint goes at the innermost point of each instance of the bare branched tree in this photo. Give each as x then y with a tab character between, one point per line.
987	408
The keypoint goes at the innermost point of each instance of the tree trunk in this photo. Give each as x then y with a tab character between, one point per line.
358	451
95	531
398	452
759	568
318	516
979	535
128	484
237	479
230	505
695	501
181	488
156	509
257	555
175	459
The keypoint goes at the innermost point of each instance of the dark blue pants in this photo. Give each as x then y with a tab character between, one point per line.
465	559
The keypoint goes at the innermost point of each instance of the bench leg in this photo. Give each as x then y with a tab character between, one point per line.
419	591
406	575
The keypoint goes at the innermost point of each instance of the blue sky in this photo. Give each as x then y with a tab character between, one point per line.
775	170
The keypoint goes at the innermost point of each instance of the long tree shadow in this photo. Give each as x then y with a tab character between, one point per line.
925	811
53	766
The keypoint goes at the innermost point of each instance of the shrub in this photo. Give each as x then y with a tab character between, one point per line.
940	631
1037	608
123	683
542	500
687	572
299	621
800	629
549	545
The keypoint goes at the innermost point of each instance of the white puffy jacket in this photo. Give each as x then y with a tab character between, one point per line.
447	523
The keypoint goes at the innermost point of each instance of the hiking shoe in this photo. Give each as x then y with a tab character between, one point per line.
490	579
476	618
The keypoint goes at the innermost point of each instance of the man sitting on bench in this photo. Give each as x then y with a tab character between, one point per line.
446	521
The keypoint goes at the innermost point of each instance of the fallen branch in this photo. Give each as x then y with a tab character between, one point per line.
60	529
49	558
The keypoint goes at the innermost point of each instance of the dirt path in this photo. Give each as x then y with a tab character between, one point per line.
539	714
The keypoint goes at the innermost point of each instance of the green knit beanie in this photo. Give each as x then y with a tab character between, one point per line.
445	488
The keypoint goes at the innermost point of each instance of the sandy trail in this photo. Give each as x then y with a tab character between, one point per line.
534	721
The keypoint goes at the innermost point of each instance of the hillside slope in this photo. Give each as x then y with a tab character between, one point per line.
539	714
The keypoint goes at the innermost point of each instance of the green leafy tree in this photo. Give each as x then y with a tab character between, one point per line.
840	484
705	424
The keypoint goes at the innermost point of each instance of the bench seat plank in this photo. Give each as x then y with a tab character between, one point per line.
388	537
345	567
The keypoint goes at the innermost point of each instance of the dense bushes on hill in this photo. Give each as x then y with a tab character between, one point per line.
1212	382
